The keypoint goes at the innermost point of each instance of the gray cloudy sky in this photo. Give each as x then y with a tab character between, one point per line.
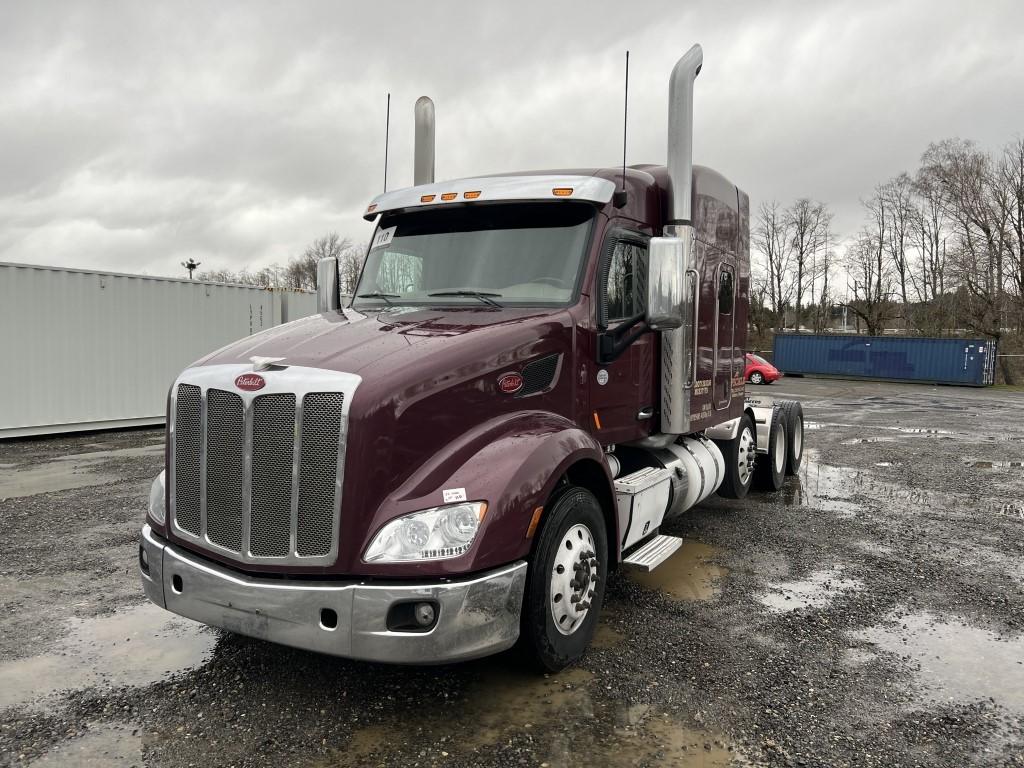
134	135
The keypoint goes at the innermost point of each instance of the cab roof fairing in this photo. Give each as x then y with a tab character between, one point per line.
492	189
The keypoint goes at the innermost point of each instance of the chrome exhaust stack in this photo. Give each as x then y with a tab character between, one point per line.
678	343
680	139
423	158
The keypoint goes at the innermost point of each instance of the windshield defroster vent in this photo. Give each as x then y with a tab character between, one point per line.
539	375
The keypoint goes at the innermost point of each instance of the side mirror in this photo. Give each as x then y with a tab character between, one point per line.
328	299
666	259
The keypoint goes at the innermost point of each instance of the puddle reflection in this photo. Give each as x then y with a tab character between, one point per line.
137	646
102	746
688	574
955	661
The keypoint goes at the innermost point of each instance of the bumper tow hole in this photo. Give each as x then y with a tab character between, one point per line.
176	584
328	618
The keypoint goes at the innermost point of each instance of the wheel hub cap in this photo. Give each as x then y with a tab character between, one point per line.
574	577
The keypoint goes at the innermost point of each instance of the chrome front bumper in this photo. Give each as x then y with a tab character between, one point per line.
475	617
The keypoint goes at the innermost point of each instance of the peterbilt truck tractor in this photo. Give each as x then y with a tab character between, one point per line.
536	371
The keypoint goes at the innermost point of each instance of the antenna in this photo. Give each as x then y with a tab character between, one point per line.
620	197
387	128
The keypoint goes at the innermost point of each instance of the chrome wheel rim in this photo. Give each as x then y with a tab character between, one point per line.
780	450
755	378
573	579
745	456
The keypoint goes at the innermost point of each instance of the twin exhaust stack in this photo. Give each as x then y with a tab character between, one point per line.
680	137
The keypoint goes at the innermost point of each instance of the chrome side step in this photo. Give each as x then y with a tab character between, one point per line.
652	554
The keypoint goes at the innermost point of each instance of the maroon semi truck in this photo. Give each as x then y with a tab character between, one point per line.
536	371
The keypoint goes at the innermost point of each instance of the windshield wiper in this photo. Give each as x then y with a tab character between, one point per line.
484	296
378	295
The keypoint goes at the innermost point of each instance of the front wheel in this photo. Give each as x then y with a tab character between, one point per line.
739	456
565	582
757	378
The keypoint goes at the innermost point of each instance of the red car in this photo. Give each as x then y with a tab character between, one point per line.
760	371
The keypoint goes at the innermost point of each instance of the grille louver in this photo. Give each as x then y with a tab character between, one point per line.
235	463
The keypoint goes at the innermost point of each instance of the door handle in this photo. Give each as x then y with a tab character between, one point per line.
645	413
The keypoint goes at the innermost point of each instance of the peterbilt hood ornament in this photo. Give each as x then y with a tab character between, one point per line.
263	363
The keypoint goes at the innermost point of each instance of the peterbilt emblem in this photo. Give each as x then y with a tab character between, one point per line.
250	382
510	383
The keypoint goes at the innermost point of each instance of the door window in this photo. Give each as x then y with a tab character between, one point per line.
626	290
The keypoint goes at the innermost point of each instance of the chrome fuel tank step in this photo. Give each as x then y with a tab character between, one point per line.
652	554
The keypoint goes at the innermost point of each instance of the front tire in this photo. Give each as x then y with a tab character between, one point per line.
565	581
739	456
757	378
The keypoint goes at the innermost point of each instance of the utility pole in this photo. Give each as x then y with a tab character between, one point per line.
191	265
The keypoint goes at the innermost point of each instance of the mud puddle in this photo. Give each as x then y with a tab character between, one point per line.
688	574
552	711
997	464
820	486
77	470
868	440
102	746
818	590
954	661
132	647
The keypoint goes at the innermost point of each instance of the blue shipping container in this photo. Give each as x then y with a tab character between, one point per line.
969	362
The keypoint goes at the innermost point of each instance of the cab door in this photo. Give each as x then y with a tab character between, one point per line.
621	390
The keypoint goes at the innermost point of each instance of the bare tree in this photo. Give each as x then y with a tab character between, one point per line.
809	226
772	240
872	286
300	274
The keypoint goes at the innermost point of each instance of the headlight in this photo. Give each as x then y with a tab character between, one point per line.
439	533
156	500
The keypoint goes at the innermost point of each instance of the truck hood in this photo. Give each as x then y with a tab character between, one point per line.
429	386
352	342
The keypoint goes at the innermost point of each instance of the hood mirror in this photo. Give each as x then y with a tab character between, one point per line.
328	299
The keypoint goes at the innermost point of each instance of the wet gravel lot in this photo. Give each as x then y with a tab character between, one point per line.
871	613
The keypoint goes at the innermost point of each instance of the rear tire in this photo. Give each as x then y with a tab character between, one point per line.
770	469
739	456
562	576
795	435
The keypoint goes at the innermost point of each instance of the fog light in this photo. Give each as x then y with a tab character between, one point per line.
424	613
143	559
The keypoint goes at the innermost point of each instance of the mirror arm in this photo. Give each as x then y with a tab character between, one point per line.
613	343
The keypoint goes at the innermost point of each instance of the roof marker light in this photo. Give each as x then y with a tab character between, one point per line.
427	198
449	195
471	195
561	191
372	208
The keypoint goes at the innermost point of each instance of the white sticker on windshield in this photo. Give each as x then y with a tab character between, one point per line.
383	237
454	494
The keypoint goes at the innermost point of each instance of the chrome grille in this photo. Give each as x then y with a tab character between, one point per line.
273	441
257	476
321	430
225	446
188	434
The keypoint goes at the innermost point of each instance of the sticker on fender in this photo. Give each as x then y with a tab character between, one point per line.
454	494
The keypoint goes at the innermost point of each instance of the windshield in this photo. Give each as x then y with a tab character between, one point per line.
507	254
757	359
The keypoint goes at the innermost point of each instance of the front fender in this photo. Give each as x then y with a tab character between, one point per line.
512	463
